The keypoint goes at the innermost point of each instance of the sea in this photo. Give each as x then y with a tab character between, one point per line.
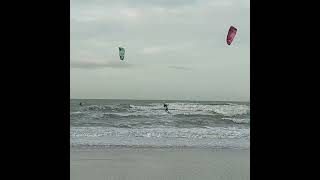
107	123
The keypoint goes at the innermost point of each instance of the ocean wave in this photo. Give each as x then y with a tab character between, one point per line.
118	115
238	120
161	137
107	108
231	109
170	119
155	109
76	113
161	146
168	132
146	124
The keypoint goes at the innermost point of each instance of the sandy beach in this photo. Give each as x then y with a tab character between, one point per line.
159	164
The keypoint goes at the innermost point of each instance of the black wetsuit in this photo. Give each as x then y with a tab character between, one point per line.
166	106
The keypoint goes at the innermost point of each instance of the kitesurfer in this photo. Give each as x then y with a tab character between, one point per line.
166	107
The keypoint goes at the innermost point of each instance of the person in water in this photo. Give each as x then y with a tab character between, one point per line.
166	106
80	104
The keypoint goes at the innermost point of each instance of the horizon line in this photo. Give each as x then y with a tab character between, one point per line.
156	99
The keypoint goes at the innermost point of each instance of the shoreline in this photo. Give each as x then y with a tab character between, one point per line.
150	147
182	100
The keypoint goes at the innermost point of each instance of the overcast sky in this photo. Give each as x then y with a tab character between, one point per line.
175	49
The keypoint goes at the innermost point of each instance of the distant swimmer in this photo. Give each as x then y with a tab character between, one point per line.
166	106
80	104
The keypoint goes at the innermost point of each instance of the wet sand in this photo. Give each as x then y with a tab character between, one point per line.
159	164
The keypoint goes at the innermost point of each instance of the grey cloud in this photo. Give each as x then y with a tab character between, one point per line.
179	67
137	2
171	37
95	65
